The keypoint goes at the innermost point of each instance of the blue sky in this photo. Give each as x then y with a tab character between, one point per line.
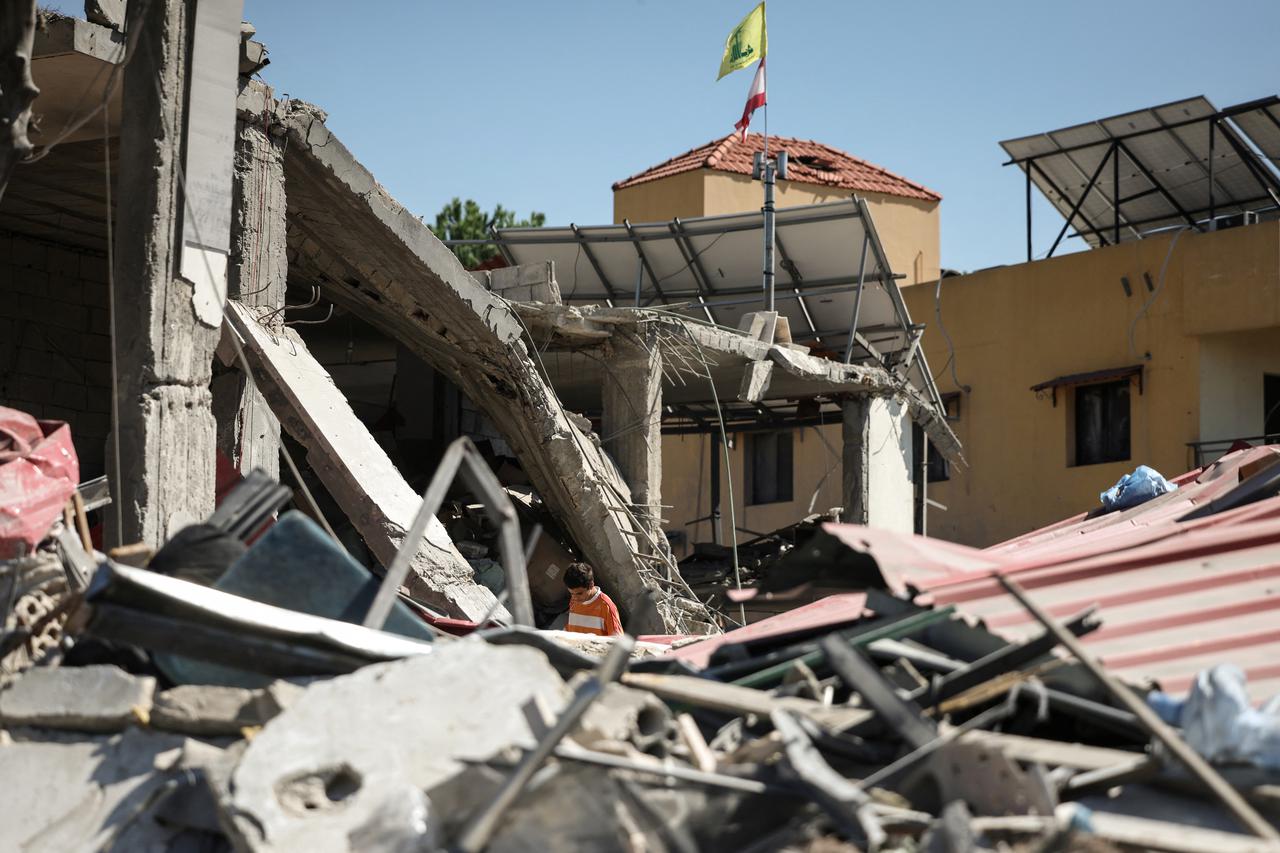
543	105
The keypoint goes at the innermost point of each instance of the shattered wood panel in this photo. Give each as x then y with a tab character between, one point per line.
369	254
353	467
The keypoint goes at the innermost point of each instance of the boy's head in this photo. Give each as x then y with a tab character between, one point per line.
580	581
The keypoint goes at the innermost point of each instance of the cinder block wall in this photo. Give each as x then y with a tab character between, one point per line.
55	344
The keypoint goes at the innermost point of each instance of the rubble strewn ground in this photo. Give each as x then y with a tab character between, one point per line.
864	720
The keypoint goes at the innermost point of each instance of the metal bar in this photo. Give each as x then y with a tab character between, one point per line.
1264	178
694	263
500	511
1260	104
476	834
793	273
862	677
1243	812
653	279
1213	138
857	300
706	226
903	627
502	249
1028	171
717	536
1075	208
1115	194
1048	180
1194	214
595	264
768	211
1152	178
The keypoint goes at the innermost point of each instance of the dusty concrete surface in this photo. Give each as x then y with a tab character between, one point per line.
164	352
352	465
631	419
88	698
348	747
257	275
371	256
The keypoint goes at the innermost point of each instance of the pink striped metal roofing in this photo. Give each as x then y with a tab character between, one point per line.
1174	596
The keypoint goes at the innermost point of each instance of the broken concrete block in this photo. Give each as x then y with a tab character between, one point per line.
349	746
85	698
205	709
755	381
107	13
627	715
526	283
69	791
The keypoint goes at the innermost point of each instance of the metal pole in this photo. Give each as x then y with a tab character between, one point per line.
1115	192
716	536
1213	137
768	233
1028	212
1176	746
857	300
639	280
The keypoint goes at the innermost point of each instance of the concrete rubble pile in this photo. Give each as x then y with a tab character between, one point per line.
237	697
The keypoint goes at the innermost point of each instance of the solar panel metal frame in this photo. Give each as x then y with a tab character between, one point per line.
710	267
1182	163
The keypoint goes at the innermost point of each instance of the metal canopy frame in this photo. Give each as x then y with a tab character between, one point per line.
696	265
1184	163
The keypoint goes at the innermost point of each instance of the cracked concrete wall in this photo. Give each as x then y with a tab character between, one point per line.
353	467
165	352
257	275
370	255
631	418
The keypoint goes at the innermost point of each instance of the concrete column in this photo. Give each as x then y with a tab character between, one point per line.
631	420
257	274
856	489
164	350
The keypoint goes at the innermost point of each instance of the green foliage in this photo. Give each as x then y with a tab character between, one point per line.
459	220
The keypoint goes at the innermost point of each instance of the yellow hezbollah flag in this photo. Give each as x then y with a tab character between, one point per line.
746	44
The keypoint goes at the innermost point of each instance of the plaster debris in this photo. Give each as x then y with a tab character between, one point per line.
89	698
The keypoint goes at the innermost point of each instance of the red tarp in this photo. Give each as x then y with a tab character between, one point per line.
38	473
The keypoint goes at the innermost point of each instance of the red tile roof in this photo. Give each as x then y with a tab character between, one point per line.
809	162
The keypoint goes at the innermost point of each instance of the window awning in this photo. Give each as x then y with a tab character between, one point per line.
1073	379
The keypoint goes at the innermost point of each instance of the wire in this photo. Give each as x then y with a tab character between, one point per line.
951	359
1154	293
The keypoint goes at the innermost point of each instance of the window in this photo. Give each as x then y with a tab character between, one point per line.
1102	422
768	463
939	469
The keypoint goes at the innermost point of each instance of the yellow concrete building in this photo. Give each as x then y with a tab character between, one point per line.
1075	369
716	179
1192	358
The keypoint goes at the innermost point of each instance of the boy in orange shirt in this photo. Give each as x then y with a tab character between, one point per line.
590	610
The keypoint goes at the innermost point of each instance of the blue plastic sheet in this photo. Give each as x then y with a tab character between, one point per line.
1136	488
1219	722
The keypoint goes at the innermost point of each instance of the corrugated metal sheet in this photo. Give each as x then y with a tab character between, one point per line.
1175	596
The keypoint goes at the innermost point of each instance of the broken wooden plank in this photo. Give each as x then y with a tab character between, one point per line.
353	466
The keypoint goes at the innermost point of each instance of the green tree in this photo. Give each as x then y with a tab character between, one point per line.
464	220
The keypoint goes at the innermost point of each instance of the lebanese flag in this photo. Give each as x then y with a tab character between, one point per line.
755	99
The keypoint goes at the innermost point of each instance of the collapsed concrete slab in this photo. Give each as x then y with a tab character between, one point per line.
351	464
368	254
89	698
349	748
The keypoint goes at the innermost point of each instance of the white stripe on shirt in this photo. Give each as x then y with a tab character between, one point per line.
584	621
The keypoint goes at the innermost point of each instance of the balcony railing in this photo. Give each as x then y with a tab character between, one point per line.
1204	452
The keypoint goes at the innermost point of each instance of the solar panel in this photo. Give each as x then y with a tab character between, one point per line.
1119	178
710	268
